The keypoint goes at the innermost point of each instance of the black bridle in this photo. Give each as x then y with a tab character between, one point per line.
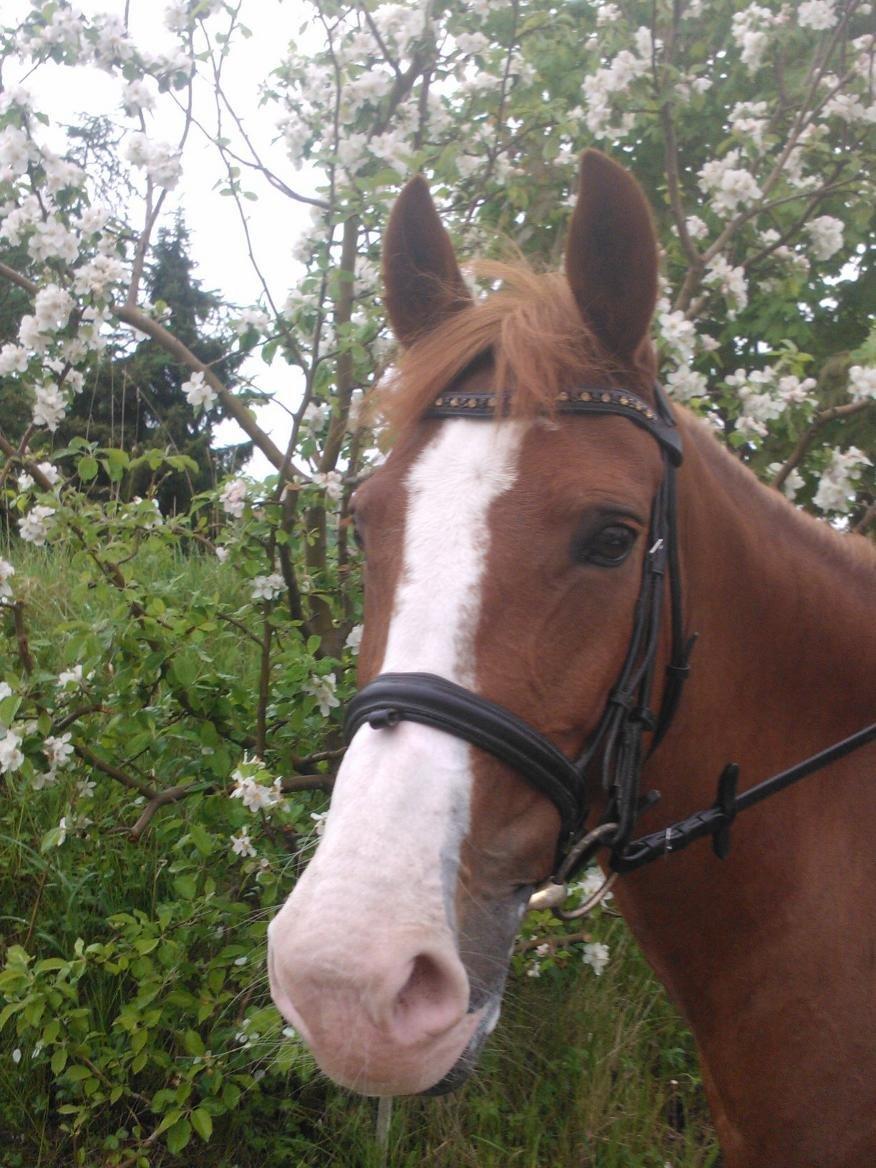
617	743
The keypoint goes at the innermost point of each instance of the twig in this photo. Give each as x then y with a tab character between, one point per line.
820	420
161	799
130	781
27	662
554	941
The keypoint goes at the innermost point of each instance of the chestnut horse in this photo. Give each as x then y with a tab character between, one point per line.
506	556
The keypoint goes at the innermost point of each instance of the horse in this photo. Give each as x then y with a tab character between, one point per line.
505	562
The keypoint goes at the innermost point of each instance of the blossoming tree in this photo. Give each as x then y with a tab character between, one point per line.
749	126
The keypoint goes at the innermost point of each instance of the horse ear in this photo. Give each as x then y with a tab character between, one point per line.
422	281
611	255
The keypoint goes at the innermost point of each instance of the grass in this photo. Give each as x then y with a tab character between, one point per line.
582	1072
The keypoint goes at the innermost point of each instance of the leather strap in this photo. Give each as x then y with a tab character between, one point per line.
435	701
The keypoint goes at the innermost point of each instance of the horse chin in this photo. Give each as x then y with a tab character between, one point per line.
464	1066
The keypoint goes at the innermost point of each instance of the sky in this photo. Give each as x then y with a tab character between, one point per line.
275	222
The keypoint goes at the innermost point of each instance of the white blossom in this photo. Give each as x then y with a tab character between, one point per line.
233	498
596	955
198	392
34	527
11	757
677	332
849	108
730	185
52	307
252	318
793	480
729	280
471	43
137	96
85	788
52	241
331	482
836	485
7	571
826	234
816	14
160	161
15	153
323	689
354	639
749	119
696	228
13	359
750	30
49	407
241	844
267	587
319	818
72	676
862	382
98	274
44	779
315	416
58	750
684	384
254	795
59	173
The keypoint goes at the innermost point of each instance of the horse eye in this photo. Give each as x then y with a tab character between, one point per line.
607	548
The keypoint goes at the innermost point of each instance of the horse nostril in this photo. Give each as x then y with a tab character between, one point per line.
432	1000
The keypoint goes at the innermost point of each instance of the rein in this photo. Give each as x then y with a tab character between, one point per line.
616	744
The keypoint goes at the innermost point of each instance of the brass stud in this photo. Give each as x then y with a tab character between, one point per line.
584	395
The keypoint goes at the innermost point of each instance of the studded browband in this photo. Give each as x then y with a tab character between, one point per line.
615	402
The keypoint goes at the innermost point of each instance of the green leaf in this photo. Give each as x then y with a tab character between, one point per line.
193	1043
179	1135
185	886
87	468
203	841
202	1122
59	1060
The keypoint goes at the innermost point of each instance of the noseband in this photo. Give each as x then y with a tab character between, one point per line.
618	738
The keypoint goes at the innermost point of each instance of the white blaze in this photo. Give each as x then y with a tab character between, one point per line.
400	806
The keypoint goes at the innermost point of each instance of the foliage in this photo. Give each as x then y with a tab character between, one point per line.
176	647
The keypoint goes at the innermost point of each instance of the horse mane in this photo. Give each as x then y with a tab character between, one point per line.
531	327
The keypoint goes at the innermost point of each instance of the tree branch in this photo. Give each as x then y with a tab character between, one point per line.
820	420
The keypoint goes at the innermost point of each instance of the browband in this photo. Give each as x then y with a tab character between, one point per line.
659	422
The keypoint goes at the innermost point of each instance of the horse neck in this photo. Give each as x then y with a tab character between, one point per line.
780	602
782	669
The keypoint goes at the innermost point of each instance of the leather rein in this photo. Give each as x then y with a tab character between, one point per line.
616	746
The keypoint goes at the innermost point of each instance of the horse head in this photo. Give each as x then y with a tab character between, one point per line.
505	556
